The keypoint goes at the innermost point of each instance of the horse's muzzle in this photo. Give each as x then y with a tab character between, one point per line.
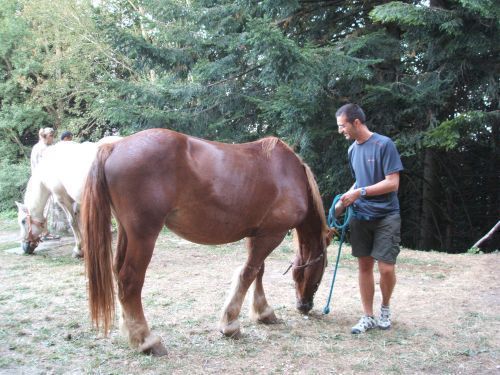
304	307
28	247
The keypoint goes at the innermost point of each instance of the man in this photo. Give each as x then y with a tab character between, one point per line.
45	139
66	136
375	227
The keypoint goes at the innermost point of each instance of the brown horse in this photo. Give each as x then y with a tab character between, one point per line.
208	193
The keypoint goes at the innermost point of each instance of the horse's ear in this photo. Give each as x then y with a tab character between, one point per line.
21	207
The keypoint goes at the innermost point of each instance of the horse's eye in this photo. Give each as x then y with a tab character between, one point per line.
23	221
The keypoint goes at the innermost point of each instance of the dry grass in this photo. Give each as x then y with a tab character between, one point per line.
446	316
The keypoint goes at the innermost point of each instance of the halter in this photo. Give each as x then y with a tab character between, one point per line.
41	224
307	264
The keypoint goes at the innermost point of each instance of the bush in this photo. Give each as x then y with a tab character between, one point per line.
13	181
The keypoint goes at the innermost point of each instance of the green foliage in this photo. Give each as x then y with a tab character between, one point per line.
236	71
9	218
13	180
489	9
409	15
403	14
474	251
473	127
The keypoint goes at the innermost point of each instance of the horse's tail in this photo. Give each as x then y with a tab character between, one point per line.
96	228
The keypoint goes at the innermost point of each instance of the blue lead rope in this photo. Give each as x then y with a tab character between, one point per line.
342	227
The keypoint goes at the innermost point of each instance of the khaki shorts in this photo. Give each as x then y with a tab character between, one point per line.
377	238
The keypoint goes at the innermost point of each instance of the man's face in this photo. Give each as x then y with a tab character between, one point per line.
49	139
346	128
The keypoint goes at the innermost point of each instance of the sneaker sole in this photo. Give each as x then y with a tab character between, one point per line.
356	332
384	328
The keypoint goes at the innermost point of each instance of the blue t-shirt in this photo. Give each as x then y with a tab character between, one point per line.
370	162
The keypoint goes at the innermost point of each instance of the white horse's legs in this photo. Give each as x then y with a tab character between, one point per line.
75	227
71	214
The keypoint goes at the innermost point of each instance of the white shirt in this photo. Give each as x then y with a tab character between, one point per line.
37	154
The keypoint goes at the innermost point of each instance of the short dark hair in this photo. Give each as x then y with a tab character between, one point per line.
65	134
352	112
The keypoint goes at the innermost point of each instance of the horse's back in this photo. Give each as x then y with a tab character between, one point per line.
65	166
208	192
108	139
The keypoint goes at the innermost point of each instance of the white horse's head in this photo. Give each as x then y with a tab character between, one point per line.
31	228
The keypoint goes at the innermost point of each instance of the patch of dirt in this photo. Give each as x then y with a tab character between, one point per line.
445	316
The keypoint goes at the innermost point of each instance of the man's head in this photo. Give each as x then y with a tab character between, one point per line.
350	118
46	135
67	136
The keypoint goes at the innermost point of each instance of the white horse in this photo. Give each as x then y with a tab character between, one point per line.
62	173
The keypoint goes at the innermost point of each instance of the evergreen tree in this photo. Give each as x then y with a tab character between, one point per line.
449	93
425	73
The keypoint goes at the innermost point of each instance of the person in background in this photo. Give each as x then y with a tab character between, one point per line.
375	227
45	139
66	136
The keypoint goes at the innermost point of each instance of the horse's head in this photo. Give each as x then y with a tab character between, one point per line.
308	269
31	229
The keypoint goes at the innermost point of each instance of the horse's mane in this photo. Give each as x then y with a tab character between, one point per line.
318	210
316	196
268	145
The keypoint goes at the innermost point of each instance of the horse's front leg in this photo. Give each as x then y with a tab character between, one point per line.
258	249
229	324
71	215
260	310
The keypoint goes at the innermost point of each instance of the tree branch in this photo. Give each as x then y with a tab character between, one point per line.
235	77
488	235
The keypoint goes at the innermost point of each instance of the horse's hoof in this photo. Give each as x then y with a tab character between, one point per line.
269	319
266	317
152	345
158	350
77	254
235	335
231	330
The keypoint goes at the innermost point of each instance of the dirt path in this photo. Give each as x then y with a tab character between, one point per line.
446	316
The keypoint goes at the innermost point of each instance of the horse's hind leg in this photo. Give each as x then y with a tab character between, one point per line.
67	206
259	308
258	249
121	249
132	259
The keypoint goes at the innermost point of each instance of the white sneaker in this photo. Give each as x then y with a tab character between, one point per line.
365	323
384	322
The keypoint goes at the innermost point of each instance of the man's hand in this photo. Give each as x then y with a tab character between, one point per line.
339	209
350	197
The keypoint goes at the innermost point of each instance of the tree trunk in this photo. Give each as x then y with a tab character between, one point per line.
428	222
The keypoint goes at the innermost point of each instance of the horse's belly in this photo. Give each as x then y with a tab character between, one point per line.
204	238
214	229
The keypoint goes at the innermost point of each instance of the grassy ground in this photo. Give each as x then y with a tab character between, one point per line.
446	316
